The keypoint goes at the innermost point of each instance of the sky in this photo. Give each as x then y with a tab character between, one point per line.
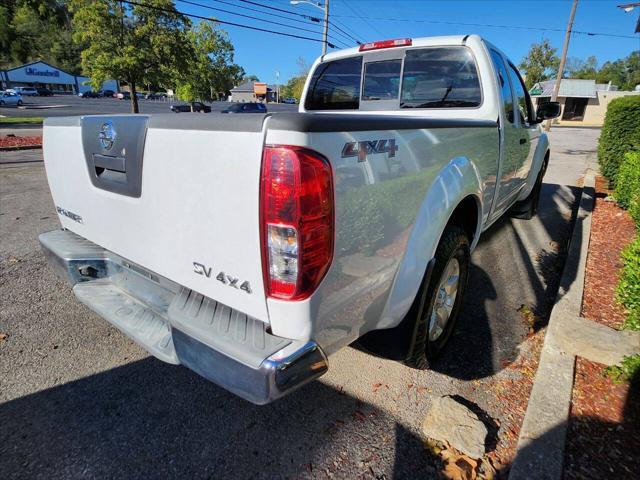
263	54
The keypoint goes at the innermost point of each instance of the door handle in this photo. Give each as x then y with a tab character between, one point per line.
523	141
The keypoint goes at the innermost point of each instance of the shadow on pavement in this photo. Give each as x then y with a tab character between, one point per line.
490	329
151	420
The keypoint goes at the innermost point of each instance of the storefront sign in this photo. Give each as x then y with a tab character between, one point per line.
34	72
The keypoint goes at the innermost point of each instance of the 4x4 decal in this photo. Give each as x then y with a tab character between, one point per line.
369	147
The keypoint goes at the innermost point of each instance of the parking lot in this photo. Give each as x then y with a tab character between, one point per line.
79	399
64	105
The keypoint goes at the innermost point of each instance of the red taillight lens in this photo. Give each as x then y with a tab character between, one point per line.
296	201
400	42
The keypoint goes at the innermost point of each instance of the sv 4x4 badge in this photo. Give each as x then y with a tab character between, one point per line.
229	280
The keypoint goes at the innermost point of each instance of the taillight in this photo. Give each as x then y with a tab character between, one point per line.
296	202
400	42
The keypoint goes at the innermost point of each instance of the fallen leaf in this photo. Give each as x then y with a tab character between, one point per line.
3	337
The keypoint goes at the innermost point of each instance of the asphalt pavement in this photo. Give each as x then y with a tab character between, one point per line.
78	399
65	105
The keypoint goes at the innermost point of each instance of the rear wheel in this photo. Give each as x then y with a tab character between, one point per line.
19	103
438	302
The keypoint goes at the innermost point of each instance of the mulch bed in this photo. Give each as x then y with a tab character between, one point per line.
603	439
15	141
604	431
611	230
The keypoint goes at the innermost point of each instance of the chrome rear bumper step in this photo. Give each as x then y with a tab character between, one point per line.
180	326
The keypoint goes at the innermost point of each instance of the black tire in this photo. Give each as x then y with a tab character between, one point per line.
453	244
19	103
526	209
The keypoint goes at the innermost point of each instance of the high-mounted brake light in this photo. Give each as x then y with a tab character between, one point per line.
400	42
296	209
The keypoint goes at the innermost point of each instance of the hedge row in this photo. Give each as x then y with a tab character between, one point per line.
620	134
627	195
627	191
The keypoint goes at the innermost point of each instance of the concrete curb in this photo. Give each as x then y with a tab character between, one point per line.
540	450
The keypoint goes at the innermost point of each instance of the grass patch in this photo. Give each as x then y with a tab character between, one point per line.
14	120
629	368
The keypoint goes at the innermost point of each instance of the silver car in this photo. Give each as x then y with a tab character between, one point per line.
9	98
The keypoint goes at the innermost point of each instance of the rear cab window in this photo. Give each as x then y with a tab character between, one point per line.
418	78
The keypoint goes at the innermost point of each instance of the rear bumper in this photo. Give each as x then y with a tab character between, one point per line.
180	326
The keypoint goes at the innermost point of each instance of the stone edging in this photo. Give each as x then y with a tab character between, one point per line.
20	147
540	451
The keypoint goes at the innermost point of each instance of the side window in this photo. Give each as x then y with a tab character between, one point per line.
503	81
382	80
440	77
524	103
335	85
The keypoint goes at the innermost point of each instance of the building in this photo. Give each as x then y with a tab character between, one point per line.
253	92
583	102
42	74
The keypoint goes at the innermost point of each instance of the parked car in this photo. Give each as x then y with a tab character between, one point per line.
123	95
90	94
197	107
25	91
10	98
156	96
291	101
251	107
44	92
108	93
248	259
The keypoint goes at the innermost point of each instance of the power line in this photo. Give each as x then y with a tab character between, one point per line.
224	22
519	27
311	22
196	4
362	18
348	35
271	7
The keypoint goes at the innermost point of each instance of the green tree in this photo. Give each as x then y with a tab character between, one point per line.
294	87
137	44
625	73
37	30
541	63
250	78
585	69
210	72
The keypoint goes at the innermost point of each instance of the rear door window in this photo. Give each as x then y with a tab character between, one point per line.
440	77
382	80
335	85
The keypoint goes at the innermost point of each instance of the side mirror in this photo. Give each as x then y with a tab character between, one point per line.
547	111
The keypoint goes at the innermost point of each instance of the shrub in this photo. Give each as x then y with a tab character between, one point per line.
620	134
628	183
634	208
628	289
626	371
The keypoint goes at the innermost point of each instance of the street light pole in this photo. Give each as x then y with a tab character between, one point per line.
563	59
325	30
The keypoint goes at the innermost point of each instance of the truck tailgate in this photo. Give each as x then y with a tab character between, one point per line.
176	194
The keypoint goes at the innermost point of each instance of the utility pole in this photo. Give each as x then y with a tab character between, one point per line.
563	59
325	30
326	27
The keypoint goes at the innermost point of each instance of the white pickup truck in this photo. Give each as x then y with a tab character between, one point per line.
251	248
